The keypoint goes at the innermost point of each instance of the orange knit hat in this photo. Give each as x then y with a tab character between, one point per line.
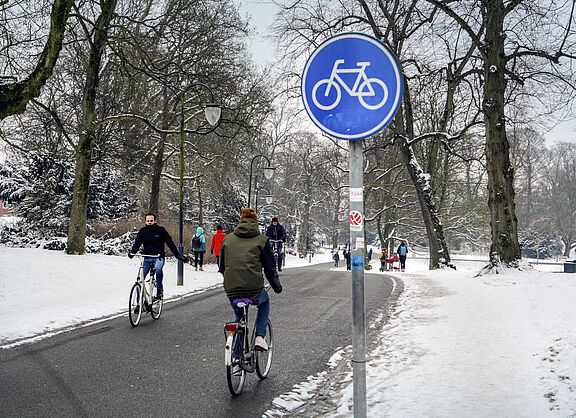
249	213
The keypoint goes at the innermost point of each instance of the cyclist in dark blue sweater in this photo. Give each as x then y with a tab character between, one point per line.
153	236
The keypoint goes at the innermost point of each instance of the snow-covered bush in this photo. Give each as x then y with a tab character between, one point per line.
21	235
40	189
535	245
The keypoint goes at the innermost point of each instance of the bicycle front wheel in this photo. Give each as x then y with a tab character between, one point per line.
134	305
264	358
235	374
156	308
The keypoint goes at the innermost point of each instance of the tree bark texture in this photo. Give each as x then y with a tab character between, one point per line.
14	97
154	206
78	211
439	253
505	246
305	225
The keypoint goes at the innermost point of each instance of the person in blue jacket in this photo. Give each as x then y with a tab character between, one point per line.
402	251
198	245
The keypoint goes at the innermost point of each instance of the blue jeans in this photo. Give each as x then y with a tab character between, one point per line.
262	301
279	251
158	264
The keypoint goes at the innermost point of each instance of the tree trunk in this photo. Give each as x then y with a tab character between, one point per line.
505	247
78	212
159	159
153	207
336	221
305	225
439	254
200	206
14	97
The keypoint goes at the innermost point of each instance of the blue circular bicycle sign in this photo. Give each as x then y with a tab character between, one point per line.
352	86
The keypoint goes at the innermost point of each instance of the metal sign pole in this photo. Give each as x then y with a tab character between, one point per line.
348	112
357	264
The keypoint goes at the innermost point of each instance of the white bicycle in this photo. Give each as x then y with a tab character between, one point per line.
362	88
143	295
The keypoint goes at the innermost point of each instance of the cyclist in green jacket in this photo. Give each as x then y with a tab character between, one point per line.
243	255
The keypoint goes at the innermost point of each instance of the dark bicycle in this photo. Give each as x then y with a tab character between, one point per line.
275	243
241	356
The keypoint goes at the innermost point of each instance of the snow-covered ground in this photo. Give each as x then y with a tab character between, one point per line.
455	345
42	291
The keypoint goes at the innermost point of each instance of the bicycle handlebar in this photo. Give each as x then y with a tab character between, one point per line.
145	255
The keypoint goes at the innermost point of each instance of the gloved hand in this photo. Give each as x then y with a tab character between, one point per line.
278	289
130	255
211	251
183	258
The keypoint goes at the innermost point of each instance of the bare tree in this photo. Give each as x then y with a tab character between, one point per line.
507	58
14	96
558	191
84	148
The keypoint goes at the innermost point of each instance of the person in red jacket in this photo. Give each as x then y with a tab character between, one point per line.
217	243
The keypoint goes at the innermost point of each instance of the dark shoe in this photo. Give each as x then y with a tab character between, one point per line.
159	296
279	269
137	310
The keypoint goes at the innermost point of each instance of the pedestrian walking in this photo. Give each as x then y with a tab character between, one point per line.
402	251
382	257
217	243
198	245
336	258
347	257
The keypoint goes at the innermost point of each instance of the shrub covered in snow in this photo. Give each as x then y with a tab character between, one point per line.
23	235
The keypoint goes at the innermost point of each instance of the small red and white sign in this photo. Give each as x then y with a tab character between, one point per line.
356	194
355	221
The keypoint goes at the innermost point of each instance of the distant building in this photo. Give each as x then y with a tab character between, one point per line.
5	209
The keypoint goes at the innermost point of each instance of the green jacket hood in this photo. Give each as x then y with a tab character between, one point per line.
199	230
247	228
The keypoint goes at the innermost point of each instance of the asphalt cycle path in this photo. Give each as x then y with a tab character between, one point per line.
175	366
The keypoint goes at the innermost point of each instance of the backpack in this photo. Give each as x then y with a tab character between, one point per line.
403	250
196	242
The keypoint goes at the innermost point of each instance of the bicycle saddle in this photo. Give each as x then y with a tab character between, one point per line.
242	300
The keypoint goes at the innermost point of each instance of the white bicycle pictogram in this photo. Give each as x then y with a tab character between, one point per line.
362	86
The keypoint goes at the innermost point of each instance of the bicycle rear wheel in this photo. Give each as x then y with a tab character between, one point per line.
264	358
234	373
134	305
156	308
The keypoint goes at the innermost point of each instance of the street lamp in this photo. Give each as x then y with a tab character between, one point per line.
212	113
269	197
268	173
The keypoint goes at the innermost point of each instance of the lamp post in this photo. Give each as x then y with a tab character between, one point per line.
212	113
269	197
268	173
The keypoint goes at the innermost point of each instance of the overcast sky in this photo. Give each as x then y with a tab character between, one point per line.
262	13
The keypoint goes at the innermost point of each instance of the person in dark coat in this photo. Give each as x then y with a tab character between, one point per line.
276	232
153	236
336	258
347	257
243	255
402	251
